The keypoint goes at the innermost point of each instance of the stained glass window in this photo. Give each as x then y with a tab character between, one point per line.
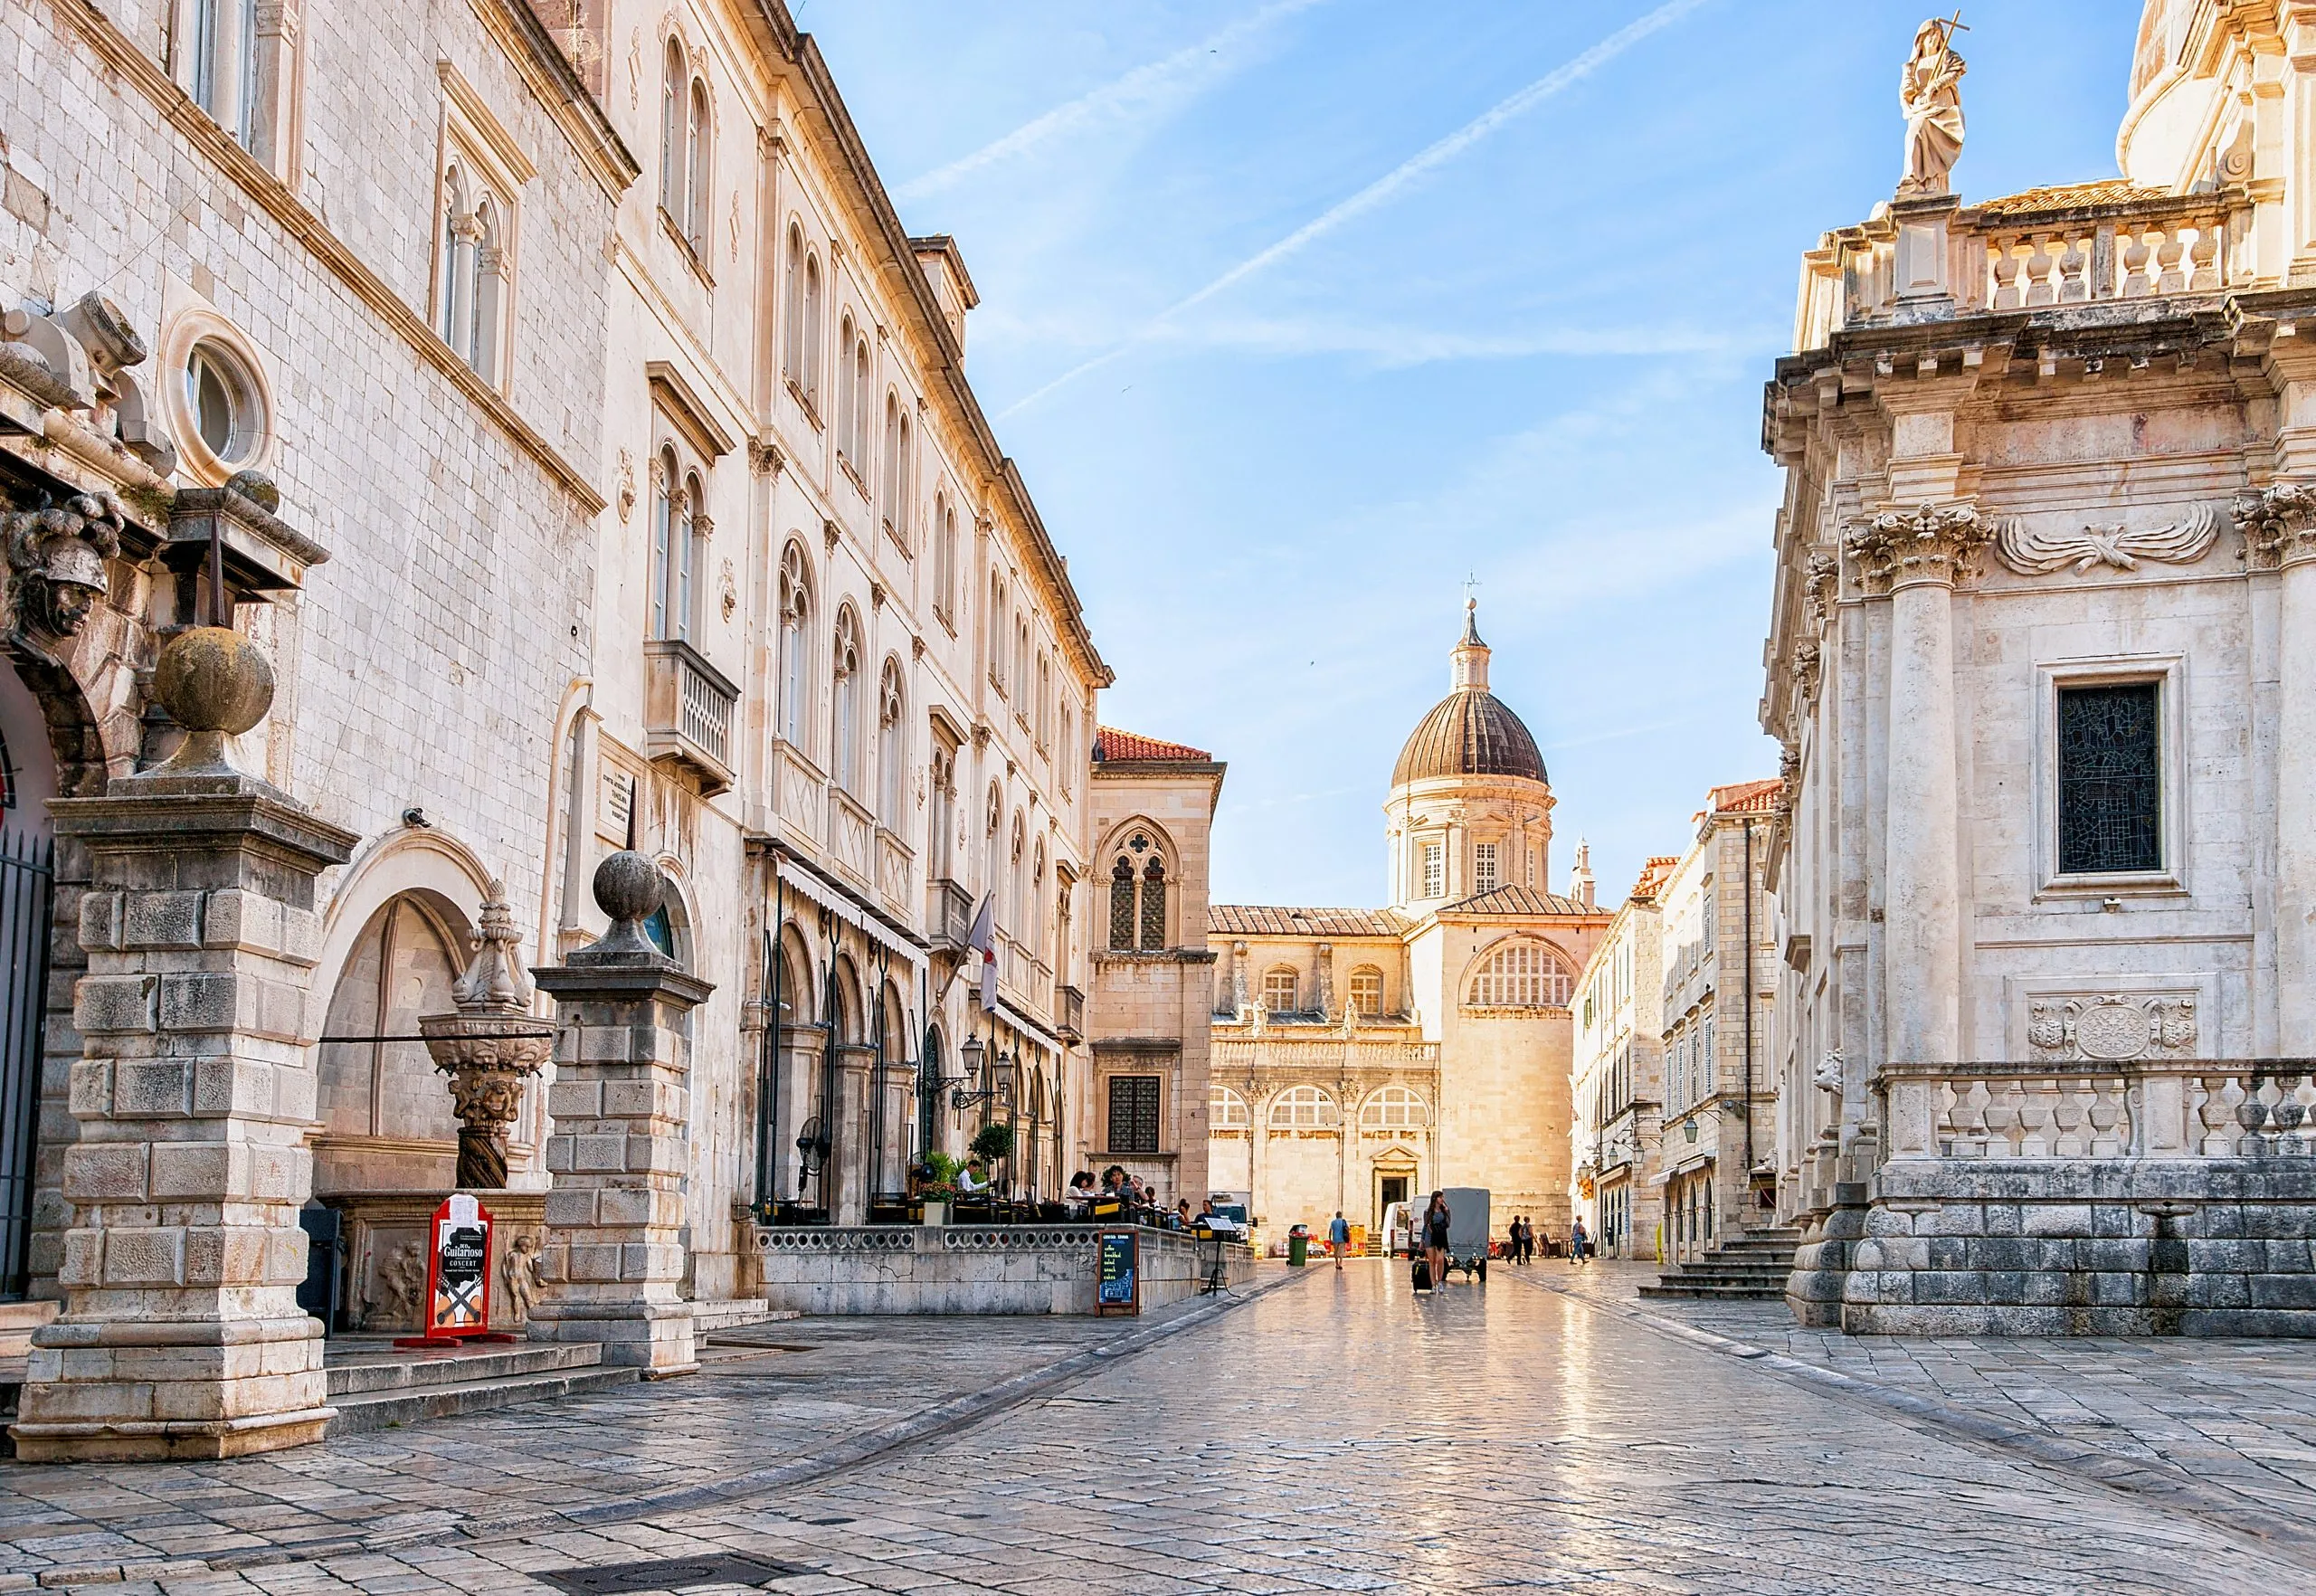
2110	799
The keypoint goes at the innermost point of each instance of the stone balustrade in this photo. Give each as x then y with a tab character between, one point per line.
2015	255
2168	1108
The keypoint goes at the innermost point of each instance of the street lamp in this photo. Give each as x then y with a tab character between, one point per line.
975	1052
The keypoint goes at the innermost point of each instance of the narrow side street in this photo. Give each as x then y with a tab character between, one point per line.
1339	1435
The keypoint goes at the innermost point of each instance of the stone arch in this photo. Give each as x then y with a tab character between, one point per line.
1485	959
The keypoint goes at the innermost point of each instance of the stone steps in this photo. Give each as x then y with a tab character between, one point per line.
372	1386
736	1313
1744	1268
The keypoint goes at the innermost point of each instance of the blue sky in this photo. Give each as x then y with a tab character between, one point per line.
1289	334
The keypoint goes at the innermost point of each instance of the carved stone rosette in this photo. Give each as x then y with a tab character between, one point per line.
1930	543
488	1046
2279	523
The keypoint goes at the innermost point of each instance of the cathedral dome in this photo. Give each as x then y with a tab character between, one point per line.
1471	732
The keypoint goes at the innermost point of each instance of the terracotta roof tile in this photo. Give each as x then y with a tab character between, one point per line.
1748	797
1109	743
1260	919
2070	197
1653	873
1518	900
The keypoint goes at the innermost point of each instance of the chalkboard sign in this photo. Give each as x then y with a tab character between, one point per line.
1117	1273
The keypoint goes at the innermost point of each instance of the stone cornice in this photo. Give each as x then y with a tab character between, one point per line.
1936	544
2279	523
121	55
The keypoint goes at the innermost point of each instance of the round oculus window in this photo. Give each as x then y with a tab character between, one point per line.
227	408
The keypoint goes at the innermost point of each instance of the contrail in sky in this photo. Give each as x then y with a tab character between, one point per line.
1172	78
1392	182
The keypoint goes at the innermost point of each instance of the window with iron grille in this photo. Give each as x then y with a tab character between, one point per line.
2109	781
1133	1114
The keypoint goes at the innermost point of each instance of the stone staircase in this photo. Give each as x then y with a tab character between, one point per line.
373	1385
1746	1268
735	1314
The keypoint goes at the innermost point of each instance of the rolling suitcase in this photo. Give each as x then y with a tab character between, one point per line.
1423	1274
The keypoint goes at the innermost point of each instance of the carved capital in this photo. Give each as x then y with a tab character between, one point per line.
1821	585
2279	524
1928	543
1808	663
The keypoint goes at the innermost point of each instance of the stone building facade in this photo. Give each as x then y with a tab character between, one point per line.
1364	1057
549	393
2042	655
1153	977
1616	1123
1717	1006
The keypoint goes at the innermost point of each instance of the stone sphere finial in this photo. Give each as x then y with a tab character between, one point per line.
216	683
257	487
629	886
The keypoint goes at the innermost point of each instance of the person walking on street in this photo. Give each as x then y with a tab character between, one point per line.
1524	1240
1435	1238
1579	1245
1338	1237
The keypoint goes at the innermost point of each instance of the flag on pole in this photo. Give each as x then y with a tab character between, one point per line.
982	939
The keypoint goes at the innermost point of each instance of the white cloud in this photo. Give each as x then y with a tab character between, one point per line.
1147	93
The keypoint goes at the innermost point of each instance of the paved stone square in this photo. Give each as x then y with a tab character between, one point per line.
1332	1434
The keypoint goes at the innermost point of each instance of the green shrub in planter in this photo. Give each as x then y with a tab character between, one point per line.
993	1143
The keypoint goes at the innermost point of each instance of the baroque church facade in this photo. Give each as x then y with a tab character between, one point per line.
1360	1058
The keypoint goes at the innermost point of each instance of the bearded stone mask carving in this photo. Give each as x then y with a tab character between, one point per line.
56	561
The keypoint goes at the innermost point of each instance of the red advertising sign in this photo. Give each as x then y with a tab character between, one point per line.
457	1274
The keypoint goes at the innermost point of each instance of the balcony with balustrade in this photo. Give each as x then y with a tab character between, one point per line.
1069	1013
948	915
688	708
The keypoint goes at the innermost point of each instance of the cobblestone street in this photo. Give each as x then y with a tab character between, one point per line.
1333	1435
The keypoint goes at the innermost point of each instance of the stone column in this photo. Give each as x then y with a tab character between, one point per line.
619	1152
2279	525
488	1046
1916	556
181	1334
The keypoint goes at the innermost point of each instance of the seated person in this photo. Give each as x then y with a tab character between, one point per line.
1080	1196
973	1180
1182	1214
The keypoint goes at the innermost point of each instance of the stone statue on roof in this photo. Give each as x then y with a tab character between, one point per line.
1931	90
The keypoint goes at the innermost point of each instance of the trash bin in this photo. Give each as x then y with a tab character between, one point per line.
1298	1247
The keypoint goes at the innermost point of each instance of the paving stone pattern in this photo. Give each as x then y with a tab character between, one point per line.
2237	1416
1342	1436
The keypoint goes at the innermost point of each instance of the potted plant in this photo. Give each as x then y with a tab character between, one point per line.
993	1143
936	1186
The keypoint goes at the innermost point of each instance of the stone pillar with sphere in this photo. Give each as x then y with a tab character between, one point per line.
490	1044
620	1150
181	1334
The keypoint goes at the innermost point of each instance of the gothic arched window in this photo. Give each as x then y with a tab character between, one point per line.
795	606
698	148
889	743
844	690
808	371
1138	896
846	447
792	309
1522	976
671	135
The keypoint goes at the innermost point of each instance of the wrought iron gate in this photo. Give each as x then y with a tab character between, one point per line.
27	897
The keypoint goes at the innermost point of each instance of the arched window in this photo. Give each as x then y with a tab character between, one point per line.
903	465
698	151
1367	991
889	763
1138	895
845	446
1016	862
860	403
226	59
672	89
791	309
993	627
942	821
1278	990
1393	1107
796	607
993	821
1522	976
670	532
1226	1110
1303	1107
945	556
1037	928
809	364
844	691
888	490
